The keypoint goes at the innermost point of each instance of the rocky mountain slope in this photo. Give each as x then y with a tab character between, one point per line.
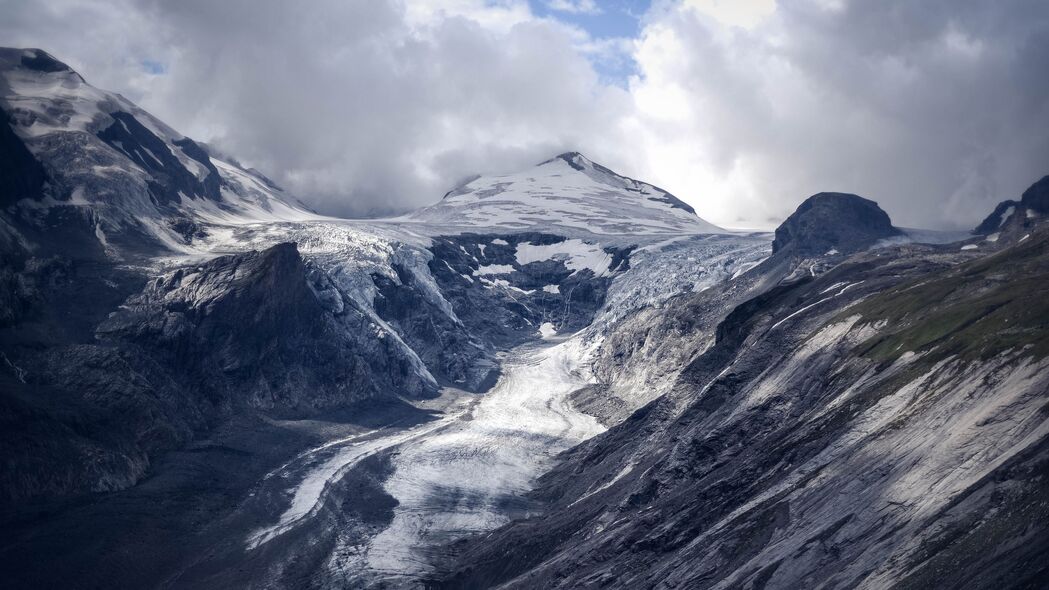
1014	218
879	424
833	223
118	341
86	158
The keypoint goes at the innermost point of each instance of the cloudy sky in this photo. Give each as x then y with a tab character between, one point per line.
935	108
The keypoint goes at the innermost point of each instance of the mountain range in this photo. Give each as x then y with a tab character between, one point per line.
558	378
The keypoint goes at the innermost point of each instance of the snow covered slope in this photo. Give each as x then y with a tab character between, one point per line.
119	167
567	193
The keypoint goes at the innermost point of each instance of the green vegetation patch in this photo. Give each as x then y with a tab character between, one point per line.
975	310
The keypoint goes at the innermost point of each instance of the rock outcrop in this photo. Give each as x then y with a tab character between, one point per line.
1012	219
827	222
259	331
1036	197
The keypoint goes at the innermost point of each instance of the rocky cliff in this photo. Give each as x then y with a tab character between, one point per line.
828	222
260	331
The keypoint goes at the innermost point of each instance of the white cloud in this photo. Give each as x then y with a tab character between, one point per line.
934	110
498	16
739	13
359	106
743	109
574	6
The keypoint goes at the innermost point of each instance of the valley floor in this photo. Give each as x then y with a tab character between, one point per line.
471	475
370	509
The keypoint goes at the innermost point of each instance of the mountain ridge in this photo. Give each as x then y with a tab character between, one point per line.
115	165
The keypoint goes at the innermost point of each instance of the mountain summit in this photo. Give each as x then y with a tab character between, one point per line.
68	146
568	192
828	222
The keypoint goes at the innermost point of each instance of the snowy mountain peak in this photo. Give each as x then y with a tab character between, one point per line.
33	59
113	163
567	193
574	159
599	173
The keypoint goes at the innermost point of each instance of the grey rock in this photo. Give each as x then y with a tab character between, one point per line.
1001	214
1011	220
21	175
1036	197
512	311
254	326
833	221
260	332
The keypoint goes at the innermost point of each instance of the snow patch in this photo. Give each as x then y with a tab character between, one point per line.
1006	215
503	284
493	269
576	254
810	306
77	198
547	330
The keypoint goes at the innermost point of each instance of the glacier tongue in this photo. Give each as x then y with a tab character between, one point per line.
470	474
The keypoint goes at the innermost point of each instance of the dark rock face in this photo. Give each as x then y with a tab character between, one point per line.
1013	219
994	221
569	158
833	221
211	182
149	152
42	61
21	175
1036	198
267	330
261	331
509	307
23	287
450	350
78	416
